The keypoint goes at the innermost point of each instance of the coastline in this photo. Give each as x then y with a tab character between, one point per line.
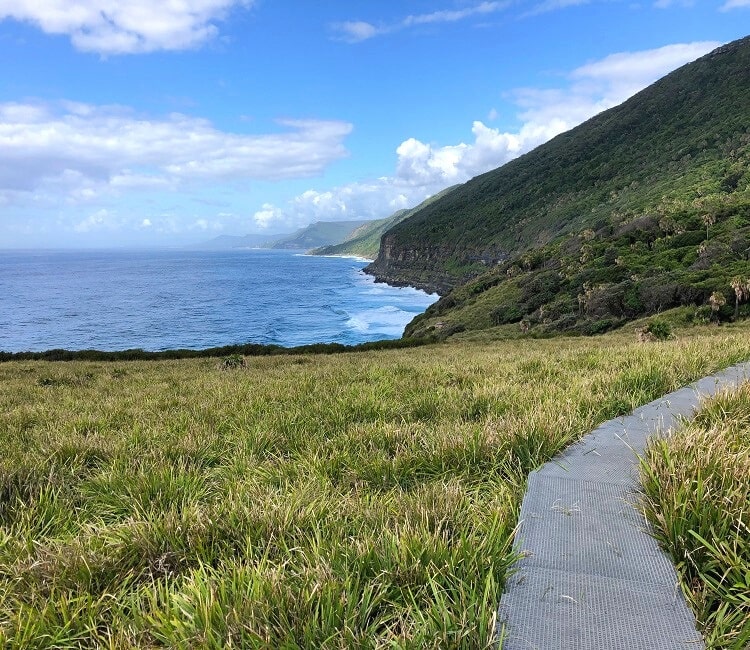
426	287
431	288
358	258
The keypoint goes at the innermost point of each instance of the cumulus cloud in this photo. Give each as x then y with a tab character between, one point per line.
356	31
427	166
267	215
97	220
735	4
117	27
424	168
79	151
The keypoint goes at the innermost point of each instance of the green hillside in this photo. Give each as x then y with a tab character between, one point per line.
642	208
320	233
365	240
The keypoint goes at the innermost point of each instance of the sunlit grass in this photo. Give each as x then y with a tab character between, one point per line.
354	500
698	488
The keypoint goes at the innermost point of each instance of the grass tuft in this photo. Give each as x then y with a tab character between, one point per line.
698	499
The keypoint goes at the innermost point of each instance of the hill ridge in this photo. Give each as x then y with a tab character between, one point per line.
623	196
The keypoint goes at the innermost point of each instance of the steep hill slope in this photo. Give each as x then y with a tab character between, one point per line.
365	240
320	233
617	165
644	207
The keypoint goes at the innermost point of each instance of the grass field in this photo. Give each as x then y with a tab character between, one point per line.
698	487
356	500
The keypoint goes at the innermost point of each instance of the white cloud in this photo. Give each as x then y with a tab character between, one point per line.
554	5
125	27
95	221
735	4
447	16
267	215
629	71
665	4
423	169
78	152
425	165
212	226
357	31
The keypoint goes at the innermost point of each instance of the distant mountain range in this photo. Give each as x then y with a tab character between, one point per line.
358	237
321	233
644	207
227	242
365	240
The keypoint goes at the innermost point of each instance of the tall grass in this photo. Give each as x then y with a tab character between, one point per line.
698	488
360	500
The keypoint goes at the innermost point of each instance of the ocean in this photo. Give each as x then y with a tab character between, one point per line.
160	300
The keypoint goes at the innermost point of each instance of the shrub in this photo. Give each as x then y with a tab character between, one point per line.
656	329
232	362
452	329
702	315
506	314
598	326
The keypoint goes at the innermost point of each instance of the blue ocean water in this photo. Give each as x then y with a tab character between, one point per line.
159	300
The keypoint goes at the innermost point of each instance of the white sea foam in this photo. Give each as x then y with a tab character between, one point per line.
388	320
410	294
357	258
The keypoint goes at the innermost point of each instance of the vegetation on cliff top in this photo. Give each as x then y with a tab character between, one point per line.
642	208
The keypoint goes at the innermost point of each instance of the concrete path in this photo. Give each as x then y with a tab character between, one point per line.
592	578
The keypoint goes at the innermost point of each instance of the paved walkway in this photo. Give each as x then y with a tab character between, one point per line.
592	577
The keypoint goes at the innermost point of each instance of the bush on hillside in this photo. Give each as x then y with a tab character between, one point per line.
656	329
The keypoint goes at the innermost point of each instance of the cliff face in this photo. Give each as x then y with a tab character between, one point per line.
409	266
424	266
659	146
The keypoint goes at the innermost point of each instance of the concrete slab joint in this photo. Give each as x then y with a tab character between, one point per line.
591	577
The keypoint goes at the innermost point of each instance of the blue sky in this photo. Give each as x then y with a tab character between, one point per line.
148	123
